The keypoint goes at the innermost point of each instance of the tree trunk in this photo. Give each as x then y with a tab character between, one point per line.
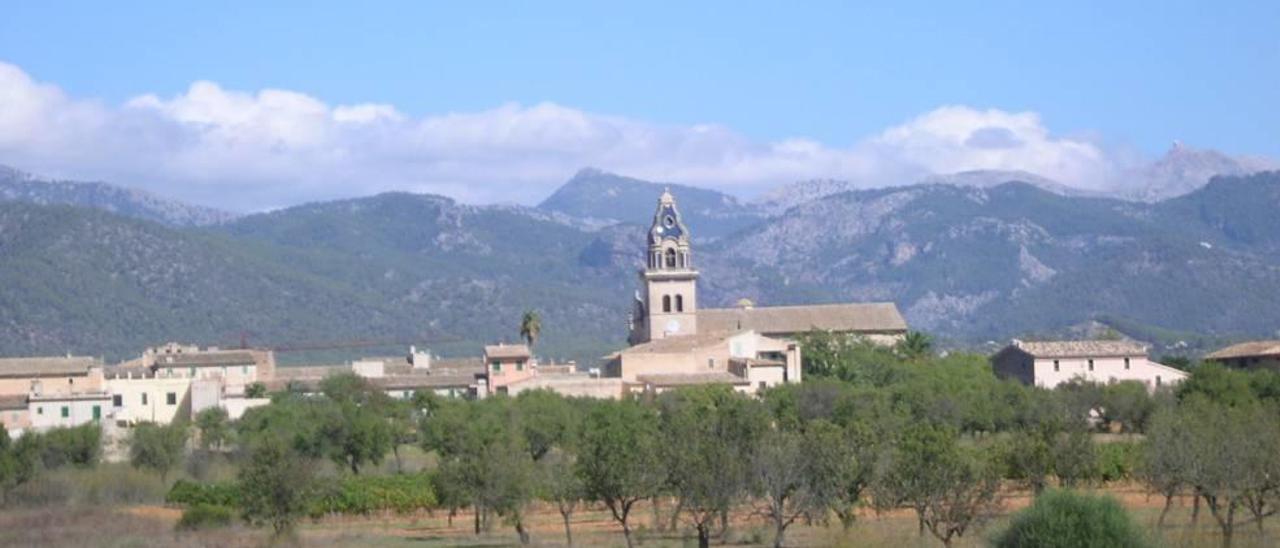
395	450
704	535
568	532
1168	503
477	519
1228	526
626	534
524	533
780	532
675	516
1195	508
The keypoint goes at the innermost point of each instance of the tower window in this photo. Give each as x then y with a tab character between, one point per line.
671	258
666	303
679	303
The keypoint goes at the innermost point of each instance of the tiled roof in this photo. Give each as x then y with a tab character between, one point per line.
690	379
1249	349
1081	349
206	359
506	351
44	367
13	401
849	317
408	382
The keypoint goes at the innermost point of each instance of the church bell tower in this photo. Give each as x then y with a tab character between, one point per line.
667	304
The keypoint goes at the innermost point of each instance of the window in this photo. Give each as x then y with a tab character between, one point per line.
1158	380
711	363
171	398
1055	366
66	411
39	410
71	381
671	258
1126	363
666	303
762	385
1090	365
117	400
520	365
97	412
497	367
244	370
144	398
679	303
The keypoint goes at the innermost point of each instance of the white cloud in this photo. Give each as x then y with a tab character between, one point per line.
246	151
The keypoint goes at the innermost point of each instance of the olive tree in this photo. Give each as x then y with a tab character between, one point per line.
157	447
620	459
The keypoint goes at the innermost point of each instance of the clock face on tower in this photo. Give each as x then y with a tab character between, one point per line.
673	326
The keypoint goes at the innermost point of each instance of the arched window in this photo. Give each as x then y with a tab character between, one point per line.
679	303
671	258
666	303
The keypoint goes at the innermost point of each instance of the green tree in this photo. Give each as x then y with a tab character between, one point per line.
79	446
530	327
17	462
1165	467
709	436
950	487
360	432
1128	404
560	483
157	447
214	427
255	390
547	420
274	485
1065	519
620	458
915	345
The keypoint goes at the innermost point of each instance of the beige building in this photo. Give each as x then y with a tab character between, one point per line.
1249	355
1050	363
14	415
50	375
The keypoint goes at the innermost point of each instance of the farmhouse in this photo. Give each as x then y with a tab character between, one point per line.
1249	355
1050	363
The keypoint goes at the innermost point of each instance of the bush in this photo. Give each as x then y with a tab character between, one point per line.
190	493
368	494
1117	460
1065	519
204	516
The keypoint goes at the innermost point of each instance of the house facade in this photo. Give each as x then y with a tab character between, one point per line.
1048	364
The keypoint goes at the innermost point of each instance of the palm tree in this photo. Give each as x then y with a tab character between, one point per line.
530	327
915	345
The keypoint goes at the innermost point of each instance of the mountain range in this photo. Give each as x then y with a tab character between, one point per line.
95	269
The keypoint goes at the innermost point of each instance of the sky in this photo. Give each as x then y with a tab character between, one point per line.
256	105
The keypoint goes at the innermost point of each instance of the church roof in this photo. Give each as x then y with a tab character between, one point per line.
680	343
848	317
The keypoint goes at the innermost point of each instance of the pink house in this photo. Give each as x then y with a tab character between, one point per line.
506	364
1050	363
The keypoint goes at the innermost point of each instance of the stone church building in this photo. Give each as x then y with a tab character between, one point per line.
676	343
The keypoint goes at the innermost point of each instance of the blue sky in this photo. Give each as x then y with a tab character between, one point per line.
1126	77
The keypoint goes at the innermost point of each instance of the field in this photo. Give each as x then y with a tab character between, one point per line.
150	525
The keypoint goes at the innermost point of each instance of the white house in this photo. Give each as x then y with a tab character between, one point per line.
1050	363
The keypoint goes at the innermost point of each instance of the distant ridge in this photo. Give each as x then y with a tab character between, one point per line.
20	186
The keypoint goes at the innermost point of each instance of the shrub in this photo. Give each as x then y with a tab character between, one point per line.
204	516
368	494
1065	519
190	493
1117	461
